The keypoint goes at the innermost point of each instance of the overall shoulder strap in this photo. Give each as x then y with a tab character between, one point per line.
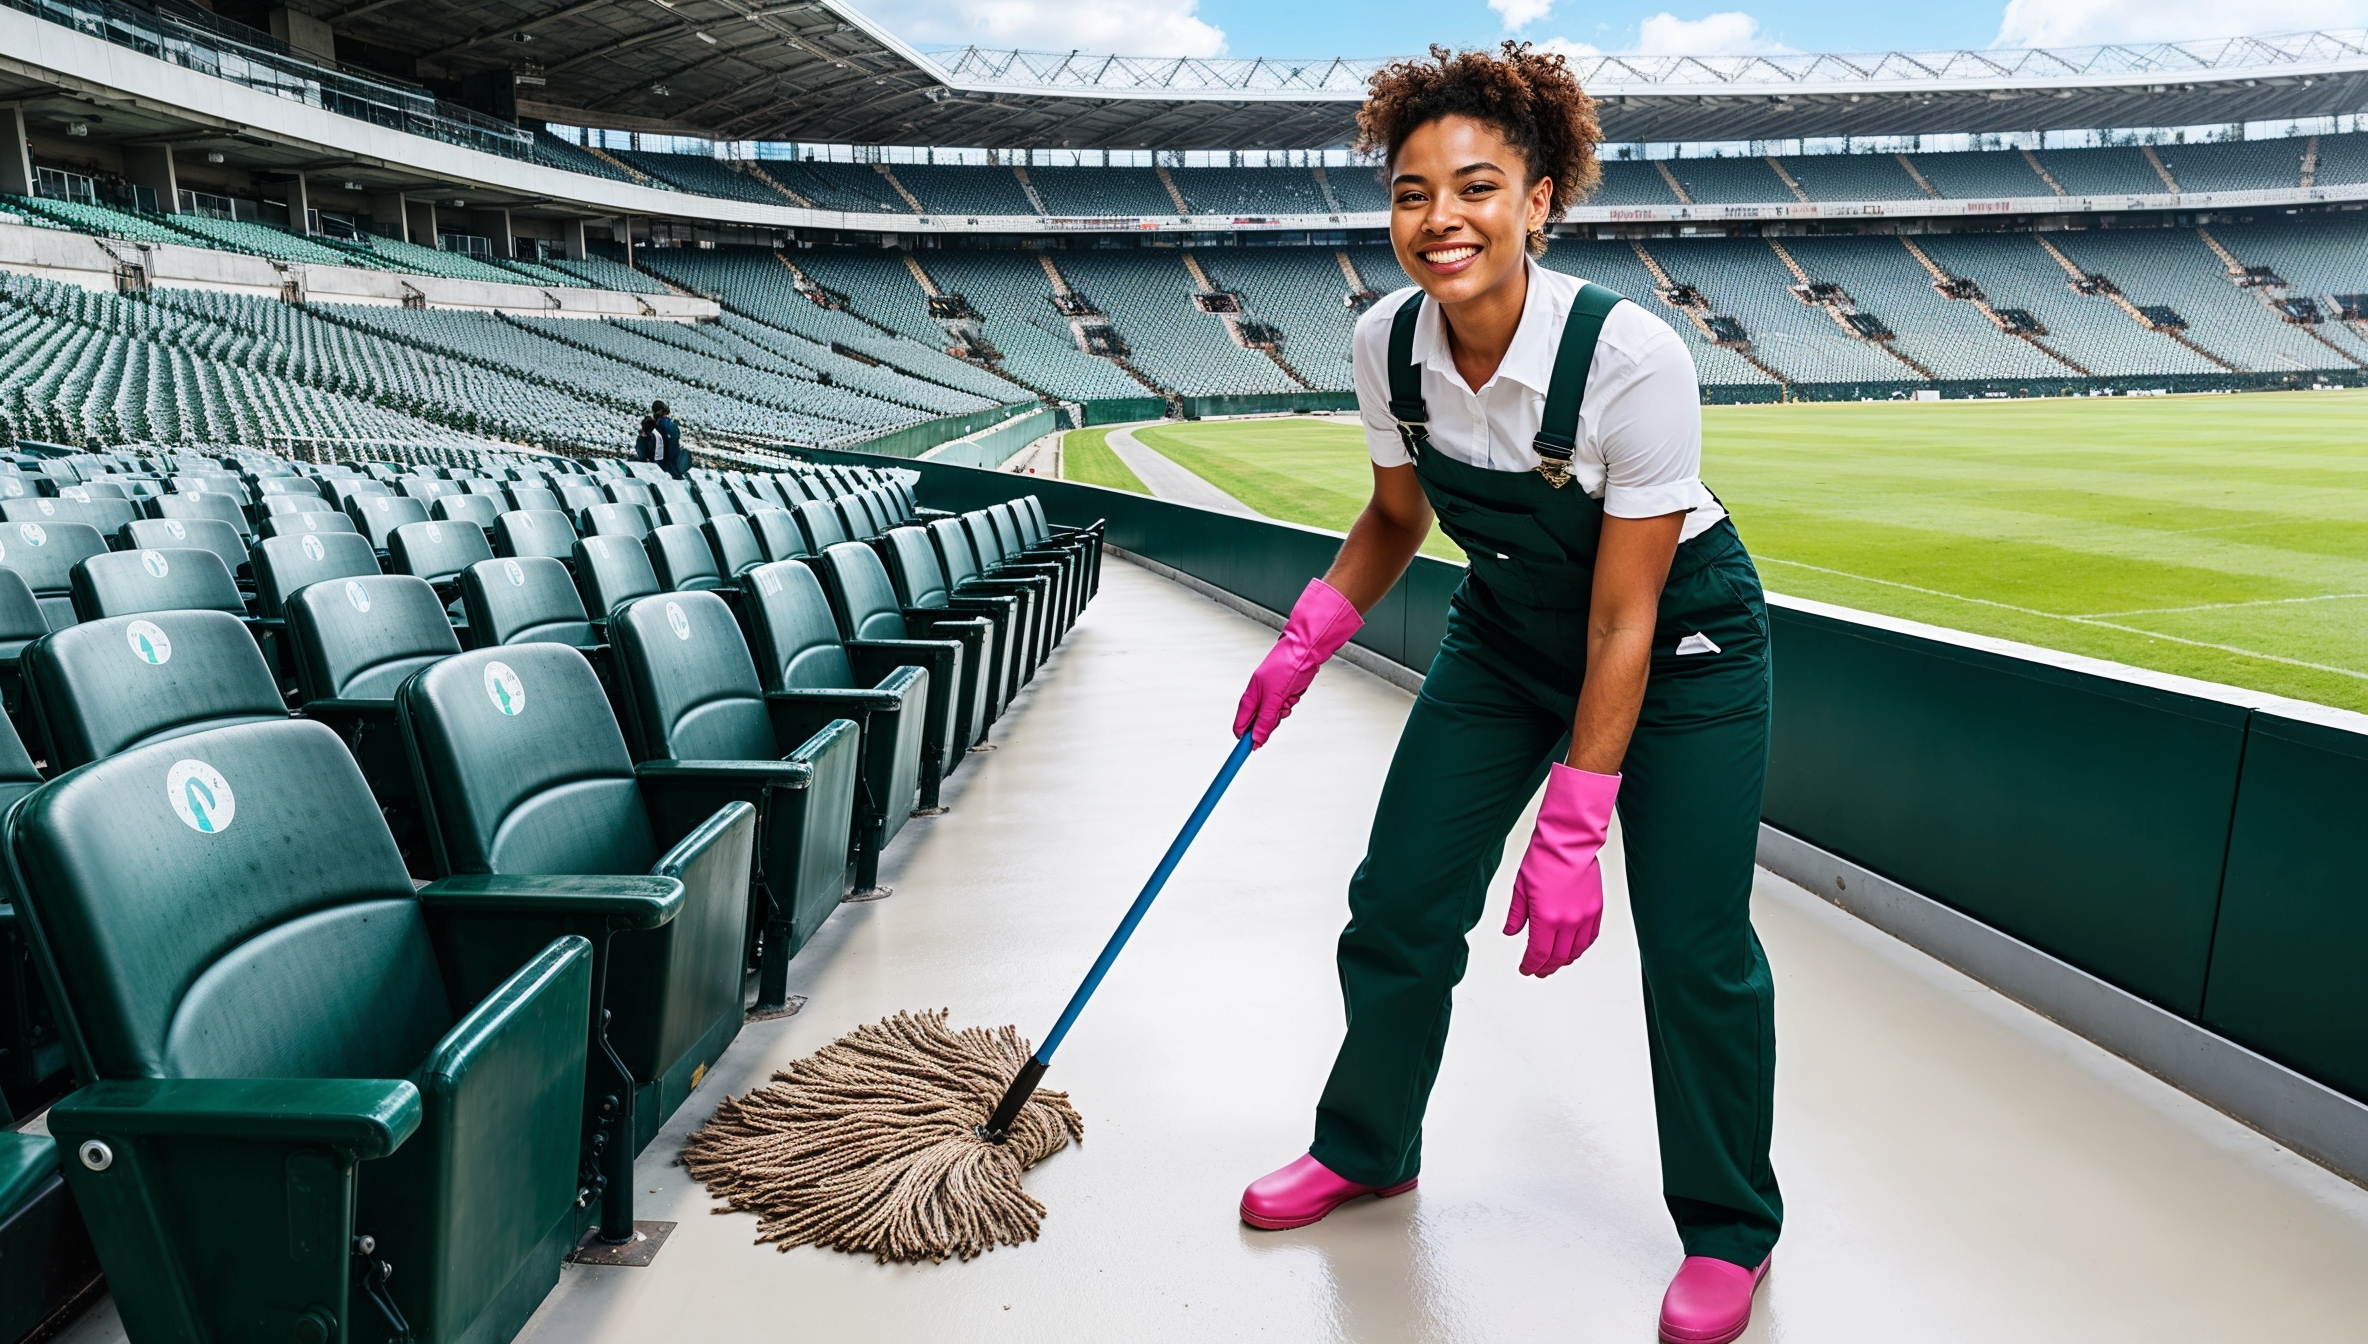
1558	427
1406	403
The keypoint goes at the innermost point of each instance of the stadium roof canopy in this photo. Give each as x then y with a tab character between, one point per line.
819	70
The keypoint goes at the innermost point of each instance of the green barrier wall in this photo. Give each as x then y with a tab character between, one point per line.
1119	410
2204	848
918	439
1269	403
994	446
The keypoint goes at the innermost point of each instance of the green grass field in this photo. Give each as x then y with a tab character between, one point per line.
1086	456
2222	537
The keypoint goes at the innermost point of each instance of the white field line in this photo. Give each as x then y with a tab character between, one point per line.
2075	620
2223	606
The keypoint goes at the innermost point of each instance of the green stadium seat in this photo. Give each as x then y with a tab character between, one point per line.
106	686
437	552
615	520
102	506
21	622
682	560
103	518
377	516
628	491
692	698
427	489
1011	540
203	534
921	586
525	496
285	564
856	517
734	545
266	488
612	571
822	526
959	652
527	600
777	533
271	505
300	524
280	1047
478	509
523	771
222	508
964	578
810	678
997	560
354	642
575	497
544	532
126	583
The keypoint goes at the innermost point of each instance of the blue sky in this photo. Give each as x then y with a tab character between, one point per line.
1303	28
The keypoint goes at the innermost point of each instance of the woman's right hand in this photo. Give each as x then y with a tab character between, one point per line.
1321	621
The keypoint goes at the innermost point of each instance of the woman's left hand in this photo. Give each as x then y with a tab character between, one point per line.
1559	892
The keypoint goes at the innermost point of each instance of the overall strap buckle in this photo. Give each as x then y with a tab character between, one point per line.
1554	454
1558	422
1413	425
1406	401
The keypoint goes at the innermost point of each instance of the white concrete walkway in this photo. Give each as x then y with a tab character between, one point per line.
1167	480
1956	1168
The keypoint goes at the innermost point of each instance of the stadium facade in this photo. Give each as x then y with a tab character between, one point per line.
499	164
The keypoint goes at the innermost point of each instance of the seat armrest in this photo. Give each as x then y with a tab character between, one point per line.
716	855
750	774
364	1118
852	699
336	707
542	1011
621	903
880	659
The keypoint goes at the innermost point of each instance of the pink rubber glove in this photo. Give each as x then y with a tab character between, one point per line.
1320	623
1559	893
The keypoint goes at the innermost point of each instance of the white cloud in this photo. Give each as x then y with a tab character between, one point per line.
2058	23
1120	27
1727	33
1519	14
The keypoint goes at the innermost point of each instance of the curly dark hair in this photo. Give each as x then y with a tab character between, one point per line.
1528	96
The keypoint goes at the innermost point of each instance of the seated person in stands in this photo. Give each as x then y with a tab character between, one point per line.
645	445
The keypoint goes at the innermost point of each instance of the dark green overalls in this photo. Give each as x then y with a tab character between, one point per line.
1494	712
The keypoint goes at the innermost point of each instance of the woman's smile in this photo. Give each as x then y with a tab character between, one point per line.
1449	258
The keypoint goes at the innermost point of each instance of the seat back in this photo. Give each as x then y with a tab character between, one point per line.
522	766
543	532
777	534
615	520
715	499
525	496
914	567
677	497
612	571
292	487
20	614
857	513
822	526
229	905
198	534
359	638
1037	529
862	598
984	539
106	686
285	564
219	507
125	583
300	524
428	489
435	551
576	497
478	509
691	688
747	500
733	543
797	643
44	555
951	540
681	559
630	491
523	600
48	512
377	516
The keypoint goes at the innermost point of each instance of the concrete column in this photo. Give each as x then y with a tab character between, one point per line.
571	235
299	204
151	166
390	217
16	161
306	35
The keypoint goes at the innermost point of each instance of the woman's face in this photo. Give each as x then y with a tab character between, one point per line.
1461	209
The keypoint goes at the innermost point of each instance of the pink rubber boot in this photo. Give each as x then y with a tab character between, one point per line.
1303	1193
1709	1302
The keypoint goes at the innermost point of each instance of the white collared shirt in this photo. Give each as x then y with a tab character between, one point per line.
1640	436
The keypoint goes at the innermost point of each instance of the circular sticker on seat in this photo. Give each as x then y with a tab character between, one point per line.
516	573
173	525
313	549
154	563
311	524
75	492
358	595
33	534
436	534
13	488
384	503
47	508
505	688
149	641
202	797
766	583
680	622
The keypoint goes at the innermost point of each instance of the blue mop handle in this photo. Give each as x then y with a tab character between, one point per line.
1142	905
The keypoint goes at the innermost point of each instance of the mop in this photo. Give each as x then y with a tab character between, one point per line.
907	1139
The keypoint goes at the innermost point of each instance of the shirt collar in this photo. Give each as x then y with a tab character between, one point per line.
1529	361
